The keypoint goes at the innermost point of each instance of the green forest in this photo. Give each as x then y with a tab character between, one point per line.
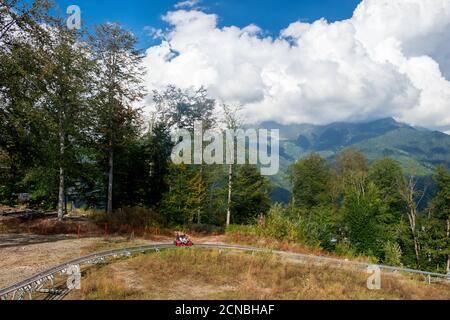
72	133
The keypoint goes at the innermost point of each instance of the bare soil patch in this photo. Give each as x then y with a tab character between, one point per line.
24	255
20	262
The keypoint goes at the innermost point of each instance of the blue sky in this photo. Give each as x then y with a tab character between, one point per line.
369	65
270	15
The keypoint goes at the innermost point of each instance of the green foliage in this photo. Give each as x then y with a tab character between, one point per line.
437	240
215	203
351	160
22	127
311	181
250	196
278	225
392	254
289	224
42	186
117	87
344	247
141	169
442	201
362	214
417	150
352	169
196	194
387	176
318	226
173	204
194	191
182	108
68	117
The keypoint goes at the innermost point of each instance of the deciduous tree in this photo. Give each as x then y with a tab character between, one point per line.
119	87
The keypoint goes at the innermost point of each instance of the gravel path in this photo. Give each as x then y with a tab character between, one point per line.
15	240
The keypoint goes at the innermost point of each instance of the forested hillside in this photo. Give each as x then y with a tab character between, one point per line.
73	136
417	150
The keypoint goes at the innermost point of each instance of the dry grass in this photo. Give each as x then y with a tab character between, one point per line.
50	226
20	262
137	221
242	238
194	274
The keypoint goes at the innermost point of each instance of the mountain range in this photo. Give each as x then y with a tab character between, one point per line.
417	150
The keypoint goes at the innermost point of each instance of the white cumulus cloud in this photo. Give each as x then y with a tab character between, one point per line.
391	58
187	4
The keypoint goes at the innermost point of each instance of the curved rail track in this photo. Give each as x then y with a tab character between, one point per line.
44	283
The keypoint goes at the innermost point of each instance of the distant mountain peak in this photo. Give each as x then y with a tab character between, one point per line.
389	120
336	132
417	149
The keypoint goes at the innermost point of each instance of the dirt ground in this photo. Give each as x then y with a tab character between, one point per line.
199	275
23	260
29	246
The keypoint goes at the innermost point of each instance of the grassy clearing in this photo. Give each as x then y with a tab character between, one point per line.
195	274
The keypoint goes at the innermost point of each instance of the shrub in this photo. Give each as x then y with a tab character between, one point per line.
202	228
278	225
317	227
345	248
130	219
392	254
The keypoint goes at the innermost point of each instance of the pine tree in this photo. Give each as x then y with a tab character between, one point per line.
182	109
196	194
251	195
387	175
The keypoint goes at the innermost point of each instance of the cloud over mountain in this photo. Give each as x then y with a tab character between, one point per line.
391	59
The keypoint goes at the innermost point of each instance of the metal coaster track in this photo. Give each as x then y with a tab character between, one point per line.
38	283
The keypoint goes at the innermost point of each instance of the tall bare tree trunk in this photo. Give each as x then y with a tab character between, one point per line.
233	121
13	170
110	181
412	223
230	191
61	197
199	211
408	192
412	216
417	250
